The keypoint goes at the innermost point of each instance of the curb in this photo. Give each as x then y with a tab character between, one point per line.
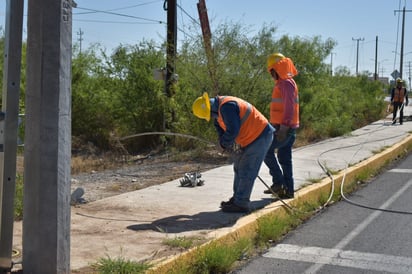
246	226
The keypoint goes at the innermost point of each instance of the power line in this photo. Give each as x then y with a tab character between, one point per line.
115	22
122	8
123	15
188	15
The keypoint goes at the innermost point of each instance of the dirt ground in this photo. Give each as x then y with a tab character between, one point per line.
138	174
130	176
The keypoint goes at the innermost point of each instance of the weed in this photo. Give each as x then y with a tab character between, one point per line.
182	242
219	258
120	266
18	199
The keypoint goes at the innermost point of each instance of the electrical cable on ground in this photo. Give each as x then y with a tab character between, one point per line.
167	133
274	194
327	172
345	172
202	140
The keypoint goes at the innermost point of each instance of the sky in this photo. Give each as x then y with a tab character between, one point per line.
353	24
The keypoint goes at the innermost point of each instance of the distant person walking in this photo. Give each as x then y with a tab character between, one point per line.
284	117
399	98
244	132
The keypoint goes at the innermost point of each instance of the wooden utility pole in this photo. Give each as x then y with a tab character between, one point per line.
376	59
207	40
171	47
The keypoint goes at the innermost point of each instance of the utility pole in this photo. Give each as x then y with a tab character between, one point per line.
170	5
47	142
207	37
331	63
376	59
8	127
80	34
171	77
402	39
357	52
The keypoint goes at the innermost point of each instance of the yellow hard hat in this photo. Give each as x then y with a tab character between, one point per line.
201	107
399	80
273	59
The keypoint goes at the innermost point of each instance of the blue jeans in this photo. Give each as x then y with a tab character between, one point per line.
246	166
280	162
397	106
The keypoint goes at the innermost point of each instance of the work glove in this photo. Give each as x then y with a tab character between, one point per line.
221	149
235	148
224	147
282	133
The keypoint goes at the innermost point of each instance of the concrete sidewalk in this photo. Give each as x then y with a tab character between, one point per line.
134	225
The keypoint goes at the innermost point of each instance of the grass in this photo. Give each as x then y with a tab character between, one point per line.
18	199
183	242
120	266
219	258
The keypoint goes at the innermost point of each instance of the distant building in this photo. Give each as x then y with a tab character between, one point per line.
383	80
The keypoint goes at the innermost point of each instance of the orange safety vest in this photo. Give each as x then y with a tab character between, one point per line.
399	95
252	122
277	106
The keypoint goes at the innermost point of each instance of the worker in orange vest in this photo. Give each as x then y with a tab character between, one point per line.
399	98
284	117
244	132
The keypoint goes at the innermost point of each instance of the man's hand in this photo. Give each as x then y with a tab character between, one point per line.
224	148
220	149
282	133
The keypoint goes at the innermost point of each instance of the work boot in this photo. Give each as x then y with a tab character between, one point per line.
283	193
234	208
286	195
274	188
226	203
394	122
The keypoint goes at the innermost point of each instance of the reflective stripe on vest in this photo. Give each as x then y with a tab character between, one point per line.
277	108
280	100
248	111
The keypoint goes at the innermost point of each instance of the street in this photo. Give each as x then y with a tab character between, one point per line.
369	234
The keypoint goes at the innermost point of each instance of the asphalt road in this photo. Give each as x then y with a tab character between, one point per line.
372	233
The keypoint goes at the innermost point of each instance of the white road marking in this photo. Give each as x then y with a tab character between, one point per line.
401	170
355	232
338	257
